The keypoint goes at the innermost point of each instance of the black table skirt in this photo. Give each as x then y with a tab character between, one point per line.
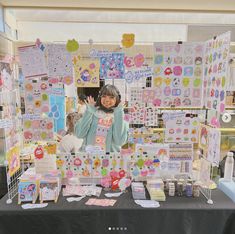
178	215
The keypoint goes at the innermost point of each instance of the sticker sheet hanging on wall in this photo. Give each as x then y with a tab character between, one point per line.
112	66
149	160
90	165
32	60
6	78
181	127
37	95
13	159
216	71
59	62
178	72
180	158
86	72
37	129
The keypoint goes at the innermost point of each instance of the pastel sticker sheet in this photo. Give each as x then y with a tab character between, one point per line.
59	62
49	189
180	158
37	96
149	160
37	129
27	191
181	127
151	117
13	159
32	60
86	72
203	137
216	71
178	73
112	66
134	75
84	164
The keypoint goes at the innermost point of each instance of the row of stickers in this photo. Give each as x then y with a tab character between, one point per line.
149	160
180	73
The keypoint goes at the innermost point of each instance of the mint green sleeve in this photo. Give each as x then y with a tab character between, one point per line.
83	125
120	127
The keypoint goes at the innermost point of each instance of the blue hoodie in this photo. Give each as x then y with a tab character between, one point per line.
117	134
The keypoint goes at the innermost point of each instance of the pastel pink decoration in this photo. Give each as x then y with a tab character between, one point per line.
122	173
222	107
53	80
77	162
128	62
114	174
157	102
177	70
139	60
144	172
215	122
69	174
105	181
92	66
45	109
35	124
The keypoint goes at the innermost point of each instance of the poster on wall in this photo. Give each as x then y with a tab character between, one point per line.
181	127
216	71
59	62
178	73
32	60
112	66
86	72
13	159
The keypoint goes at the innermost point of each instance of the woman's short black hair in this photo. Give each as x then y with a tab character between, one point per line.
109	90
82	97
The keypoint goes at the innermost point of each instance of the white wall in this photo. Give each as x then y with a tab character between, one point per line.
99	32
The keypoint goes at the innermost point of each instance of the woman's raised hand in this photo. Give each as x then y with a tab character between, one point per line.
90	101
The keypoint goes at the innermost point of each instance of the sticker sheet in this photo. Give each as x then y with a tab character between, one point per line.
90	165
178	73
86	72
59	62
216	71
135	75
37	129
112	66
13	159
37	96
180	158
181	127
32	60
149	160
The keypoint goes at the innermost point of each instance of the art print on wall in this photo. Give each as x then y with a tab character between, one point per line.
86	72
112	66
13	159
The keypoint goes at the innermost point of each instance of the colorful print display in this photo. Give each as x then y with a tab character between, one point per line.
13	159
6	79
149	160
216	71
180	158
178	74
86	72
90	165
209	141
37	129
37	96
28	191
181	127
112	66
33	61
59	62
